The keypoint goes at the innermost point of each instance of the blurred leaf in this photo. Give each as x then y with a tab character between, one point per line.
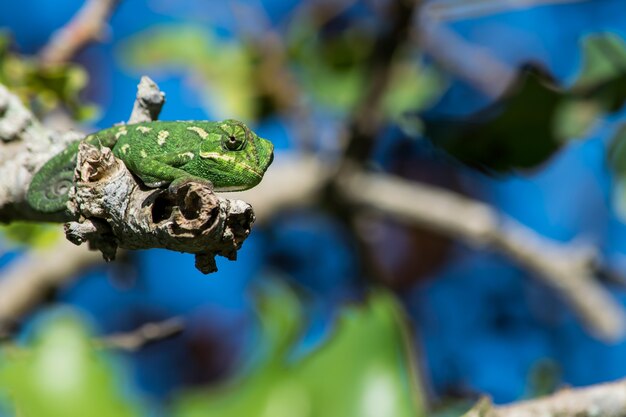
44	88
515	133
332	66
223	70
413	87
575	118
599	88
36	235
363	370
535	117
60	374
280	318
330	63
603	74
617	162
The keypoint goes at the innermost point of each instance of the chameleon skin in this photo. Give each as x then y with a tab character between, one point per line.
227	154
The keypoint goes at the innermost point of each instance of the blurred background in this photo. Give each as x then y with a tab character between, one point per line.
476	246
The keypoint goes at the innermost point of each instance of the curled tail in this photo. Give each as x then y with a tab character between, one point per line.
49	188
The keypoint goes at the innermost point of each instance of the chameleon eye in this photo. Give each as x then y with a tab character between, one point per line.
234	137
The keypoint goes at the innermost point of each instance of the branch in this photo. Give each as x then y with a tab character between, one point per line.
108	208
147	334
27	282
86	26
483	71
607	400
568	269
454	10
365	123
148	103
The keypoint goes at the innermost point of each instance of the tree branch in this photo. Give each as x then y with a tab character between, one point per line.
27	281
568	269
364	124
607	400
86	26
146	334
455	10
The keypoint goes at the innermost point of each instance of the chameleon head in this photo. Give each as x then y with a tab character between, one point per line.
237	157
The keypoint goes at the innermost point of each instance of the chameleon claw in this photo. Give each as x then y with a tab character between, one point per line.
176	185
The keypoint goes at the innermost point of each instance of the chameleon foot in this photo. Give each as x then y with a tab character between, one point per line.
181	183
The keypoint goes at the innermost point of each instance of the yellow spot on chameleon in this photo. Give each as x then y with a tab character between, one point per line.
143	154
124	148
121	132
162	136
201	132
144	129
189	155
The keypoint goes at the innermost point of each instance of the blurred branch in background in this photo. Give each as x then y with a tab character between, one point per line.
471	63
608	399
569	269
26	282
85	27
364	125
146	334
452	10
566	268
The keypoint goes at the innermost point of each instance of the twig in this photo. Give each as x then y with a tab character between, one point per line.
148	103
27	281
607	400
454	10
484	71
567	268
147	334
85	27
365	123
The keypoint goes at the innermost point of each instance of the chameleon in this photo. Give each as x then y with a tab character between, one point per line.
226	155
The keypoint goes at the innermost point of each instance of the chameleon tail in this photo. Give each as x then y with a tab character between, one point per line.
49	188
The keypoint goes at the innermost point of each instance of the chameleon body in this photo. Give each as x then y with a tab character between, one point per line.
227	154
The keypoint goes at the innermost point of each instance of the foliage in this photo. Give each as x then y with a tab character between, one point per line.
61	374
332	67
44	88
330	70
35	235
364	369
536	116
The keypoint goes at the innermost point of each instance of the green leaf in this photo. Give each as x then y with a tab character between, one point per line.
330	65
413	87
36	235
60	374
536	117
44	88
575	119
515	133
616	157
363	369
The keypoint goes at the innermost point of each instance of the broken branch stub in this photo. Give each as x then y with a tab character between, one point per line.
114	210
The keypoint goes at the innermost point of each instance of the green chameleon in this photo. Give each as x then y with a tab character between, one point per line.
227	154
